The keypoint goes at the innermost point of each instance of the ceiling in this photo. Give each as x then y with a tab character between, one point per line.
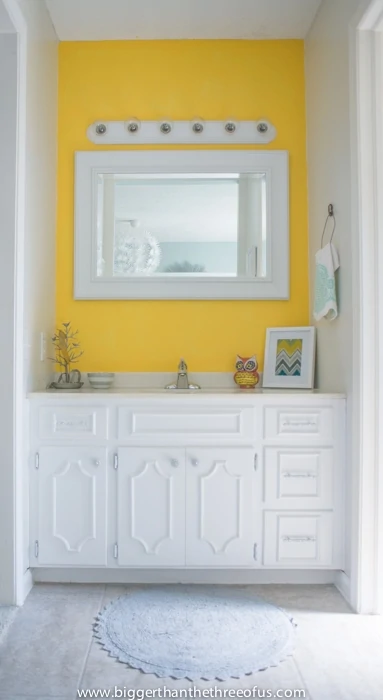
91	20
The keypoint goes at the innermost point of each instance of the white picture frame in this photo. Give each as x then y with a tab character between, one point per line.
89	164
290	367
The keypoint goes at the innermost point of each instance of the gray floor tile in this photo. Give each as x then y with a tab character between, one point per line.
340	656
47	645
304	599
49	649
7	616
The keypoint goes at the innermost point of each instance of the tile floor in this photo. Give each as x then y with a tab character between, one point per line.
49	651
7	614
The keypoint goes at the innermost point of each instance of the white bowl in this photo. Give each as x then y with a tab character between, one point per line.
101	380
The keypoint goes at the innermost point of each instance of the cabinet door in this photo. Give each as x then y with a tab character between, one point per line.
151	506
221	507
71	517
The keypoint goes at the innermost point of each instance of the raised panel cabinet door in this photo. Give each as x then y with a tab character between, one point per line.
71	518
221	507
151	506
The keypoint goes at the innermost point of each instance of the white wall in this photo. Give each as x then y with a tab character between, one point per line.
8	97
33	281
40	194
330	110
329	176
40	209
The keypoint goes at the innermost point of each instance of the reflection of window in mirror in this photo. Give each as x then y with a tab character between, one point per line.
188	224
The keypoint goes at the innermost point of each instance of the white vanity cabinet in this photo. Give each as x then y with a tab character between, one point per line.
233	480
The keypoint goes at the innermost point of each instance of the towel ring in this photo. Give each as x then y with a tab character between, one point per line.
330	215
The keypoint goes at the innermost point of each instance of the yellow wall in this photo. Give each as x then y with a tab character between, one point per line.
179	79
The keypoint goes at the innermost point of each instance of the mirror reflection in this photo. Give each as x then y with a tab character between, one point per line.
196	224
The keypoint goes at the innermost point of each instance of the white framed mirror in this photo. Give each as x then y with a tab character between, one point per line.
181	225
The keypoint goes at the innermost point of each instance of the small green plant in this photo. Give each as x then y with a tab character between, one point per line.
67	348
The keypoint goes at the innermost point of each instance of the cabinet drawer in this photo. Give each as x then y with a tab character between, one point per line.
73	423
298	423
236	422
298	539
298	478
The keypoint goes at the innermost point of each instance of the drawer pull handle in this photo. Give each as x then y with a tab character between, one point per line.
96	462
195	462
299	475
174	463
297	538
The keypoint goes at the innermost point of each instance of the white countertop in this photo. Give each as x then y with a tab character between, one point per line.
137	393
151	385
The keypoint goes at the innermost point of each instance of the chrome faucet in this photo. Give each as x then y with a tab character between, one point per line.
182	378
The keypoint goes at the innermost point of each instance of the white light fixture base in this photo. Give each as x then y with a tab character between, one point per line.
182	132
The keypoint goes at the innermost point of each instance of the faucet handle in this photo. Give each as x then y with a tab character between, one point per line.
182	367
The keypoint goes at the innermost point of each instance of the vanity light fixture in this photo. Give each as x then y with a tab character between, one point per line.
187	131
133	125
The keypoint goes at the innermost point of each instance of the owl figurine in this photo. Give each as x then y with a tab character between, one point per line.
246	375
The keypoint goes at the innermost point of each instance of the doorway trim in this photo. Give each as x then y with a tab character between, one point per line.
20	581
366	591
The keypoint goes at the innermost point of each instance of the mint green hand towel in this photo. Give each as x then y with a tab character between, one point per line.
327	263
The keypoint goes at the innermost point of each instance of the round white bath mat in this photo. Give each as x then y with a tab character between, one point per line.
195	632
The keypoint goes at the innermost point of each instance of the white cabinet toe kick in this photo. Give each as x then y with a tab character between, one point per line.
238	481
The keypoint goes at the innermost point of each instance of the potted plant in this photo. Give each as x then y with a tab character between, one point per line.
68	353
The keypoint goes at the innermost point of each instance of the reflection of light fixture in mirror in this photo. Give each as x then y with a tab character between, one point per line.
166	126
133	125
135	251
197	125
230	126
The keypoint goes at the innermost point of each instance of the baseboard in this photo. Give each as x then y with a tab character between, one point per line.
241	577
25	587
343	584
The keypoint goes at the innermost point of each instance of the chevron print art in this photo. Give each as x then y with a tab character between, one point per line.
289	358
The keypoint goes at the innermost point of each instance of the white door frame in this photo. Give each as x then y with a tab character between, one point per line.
16	581
367	240
366	591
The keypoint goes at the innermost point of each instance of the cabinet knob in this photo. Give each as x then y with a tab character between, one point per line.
195	462
174	462
96	462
